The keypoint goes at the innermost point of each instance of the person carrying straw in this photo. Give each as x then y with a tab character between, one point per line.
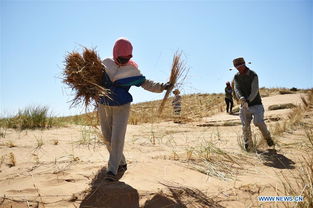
120	74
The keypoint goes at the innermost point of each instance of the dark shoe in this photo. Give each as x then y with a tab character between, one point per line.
110	177
270	142
122	168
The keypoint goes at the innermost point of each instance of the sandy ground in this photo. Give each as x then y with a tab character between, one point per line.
63	167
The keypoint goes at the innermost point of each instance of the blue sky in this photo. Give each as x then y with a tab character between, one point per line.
276	36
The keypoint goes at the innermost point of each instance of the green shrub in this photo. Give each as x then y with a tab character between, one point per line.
29	118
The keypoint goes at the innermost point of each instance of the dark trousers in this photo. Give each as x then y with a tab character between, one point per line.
229	105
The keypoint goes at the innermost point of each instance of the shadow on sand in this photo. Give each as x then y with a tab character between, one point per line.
159	200
103	194
110	194
180	197
273	159
118	194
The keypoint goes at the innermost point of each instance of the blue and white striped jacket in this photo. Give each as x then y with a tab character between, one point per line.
119	79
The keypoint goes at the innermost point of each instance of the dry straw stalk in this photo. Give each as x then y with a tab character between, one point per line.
83	74
177	73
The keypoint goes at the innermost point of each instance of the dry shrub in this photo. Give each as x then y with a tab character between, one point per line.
310	96
279	128
294	119
10	160
194	107
300	183
181	196
265	92
55	142
309	135
83	74
10	144
211	160
295	116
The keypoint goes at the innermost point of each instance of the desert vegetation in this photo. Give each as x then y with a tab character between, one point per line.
29	118
196	163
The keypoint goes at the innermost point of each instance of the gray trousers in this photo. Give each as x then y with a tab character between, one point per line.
246	114
113	121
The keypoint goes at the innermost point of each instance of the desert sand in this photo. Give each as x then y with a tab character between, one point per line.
63	167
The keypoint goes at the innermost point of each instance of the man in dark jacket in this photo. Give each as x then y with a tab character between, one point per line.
247	91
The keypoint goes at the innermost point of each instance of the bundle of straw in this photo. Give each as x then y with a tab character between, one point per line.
177	73
83	74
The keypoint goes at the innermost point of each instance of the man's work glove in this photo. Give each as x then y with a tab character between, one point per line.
167	86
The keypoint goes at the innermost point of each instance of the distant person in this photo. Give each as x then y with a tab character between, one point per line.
176	103
247	91
229	98
120	74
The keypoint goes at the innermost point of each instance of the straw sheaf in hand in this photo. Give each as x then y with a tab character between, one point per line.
178	73
83	74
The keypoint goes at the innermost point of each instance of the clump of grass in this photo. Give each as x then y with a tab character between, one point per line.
74	159
33	117
11	160
194	107
87	119
254	145
309	135
3	132
39	143
310	97
89	136
29	118
305	103
189	153
1	160
279	128
10	144
180	196
294	117
300	183
55	142
219	163
211	160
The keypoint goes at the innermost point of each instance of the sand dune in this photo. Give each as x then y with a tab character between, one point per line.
166	166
